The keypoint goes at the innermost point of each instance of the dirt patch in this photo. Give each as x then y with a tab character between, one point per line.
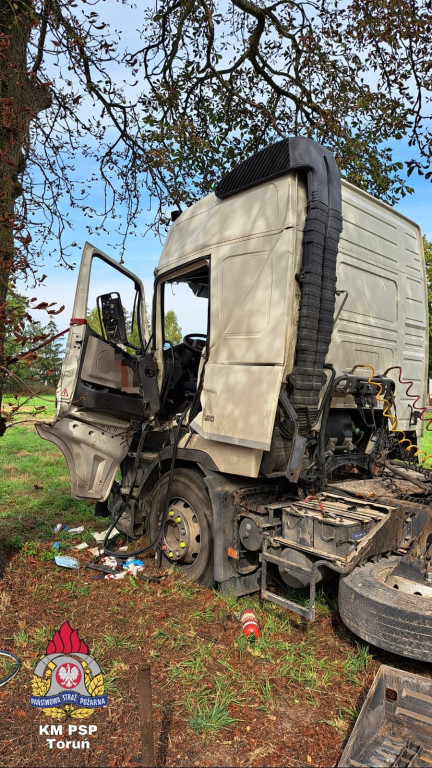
291	701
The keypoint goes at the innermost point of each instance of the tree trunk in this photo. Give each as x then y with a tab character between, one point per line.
22	97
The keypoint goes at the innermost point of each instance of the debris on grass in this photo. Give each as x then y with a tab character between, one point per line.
131	561
81	546
114	568
66	562
116	575
74	531
99	536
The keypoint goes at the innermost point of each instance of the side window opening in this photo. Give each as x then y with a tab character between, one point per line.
185	302
113	307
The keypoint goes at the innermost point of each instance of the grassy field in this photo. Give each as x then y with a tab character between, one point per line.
290	700
426	443
34	482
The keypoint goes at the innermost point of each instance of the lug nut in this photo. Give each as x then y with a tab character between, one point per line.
178	519
182	544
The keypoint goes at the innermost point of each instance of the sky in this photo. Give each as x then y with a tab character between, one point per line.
143	252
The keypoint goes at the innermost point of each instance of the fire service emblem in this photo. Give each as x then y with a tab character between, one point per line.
67	682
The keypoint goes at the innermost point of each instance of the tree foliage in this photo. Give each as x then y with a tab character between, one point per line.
427	246
33	371
172	330
225	80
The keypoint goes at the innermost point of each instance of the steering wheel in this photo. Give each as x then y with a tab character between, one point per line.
191	339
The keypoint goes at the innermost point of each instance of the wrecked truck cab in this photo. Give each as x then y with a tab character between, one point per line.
246	450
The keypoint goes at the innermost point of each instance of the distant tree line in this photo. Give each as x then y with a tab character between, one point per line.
33	370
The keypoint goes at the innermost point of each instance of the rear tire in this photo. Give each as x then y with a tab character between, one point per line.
383	616
189	541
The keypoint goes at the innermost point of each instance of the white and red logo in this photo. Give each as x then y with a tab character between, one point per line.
68	682
68	676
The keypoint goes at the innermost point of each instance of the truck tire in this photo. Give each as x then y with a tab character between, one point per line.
188	533
384	616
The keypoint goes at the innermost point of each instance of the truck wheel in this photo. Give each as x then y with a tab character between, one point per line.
387	616
188	534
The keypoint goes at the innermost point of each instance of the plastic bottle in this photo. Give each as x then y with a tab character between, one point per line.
250	626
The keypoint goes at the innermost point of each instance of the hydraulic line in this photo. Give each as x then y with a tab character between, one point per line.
422	410
153	544
393	418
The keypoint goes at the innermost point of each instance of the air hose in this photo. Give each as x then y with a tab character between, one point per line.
14	672
153	544
393	418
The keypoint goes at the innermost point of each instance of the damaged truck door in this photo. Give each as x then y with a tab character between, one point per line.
108	381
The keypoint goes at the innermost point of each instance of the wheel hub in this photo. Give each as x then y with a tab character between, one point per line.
409	587
182	533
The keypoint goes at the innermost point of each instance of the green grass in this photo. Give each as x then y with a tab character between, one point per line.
21	638
357	661
7	666
112	641
426	442
209	709
22	407
76	590
35	493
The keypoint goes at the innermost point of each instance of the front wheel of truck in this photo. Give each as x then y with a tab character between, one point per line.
187	538
388	612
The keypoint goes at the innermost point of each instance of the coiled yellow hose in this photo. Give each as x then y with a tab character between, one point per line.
393	418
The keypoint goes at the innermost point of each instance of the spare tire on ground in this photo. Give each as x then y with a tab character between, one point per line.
384	616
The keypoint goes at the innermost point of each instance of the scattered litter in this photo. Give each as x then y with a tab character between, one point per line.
104	564
73	531
116	568
250	626
132	566
81	546
132	570
118	575
66	562
131	561
99	536
96	551
123	549
56	546
58	527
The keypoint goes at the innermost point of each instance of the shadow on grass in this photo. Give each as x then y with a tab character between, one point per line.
6	555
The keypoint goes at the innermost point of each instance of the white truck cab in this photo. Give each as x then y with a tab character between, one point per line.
313	299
